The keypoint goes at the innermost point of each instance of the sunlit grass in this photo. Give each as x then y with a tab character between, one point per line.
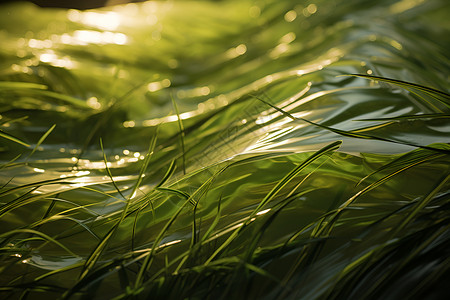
201	150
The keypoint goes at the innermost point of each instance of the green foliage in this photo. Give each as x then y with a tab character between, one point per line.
225	149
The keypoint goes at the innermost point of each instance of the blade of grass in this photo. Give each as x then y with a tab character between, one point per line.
421	204
108	171
401	83
351	134
182	134
14	85
41	140
168	174
10	137
275	190
40	234
165	178
95	255
439	96
215	221
194	246
182	194
414	157
327	228
62	217
9	164
65	98
150	256
257	237
283	182
49	209
37	184
12	121
151	149
411	117
138	211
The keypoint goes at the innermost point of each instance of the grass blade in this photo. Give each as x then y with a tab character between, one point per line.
282	183
43	235
108	171
421	204
182	134
411	117
41	140
352	134
440	96
10	137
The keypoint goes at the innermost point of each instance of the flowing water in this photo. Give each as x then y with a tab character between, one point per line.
218	100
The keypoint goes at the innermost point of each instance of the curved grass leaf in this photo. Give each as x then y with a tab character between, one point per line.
14	85
41	140
182	134
428	90
9	164
275	190
63	217
169	173
352	134
64	98
335	214
37	184
151	149
439	96
411	117
150	256
10	137
414	157
43	235
182	194
421	204
108	171
96	253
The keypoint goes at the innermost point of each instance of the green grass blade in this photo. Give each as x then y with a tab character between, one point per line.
421	204
442	97
182	194
108	171
9	164
182	134
419	87
150	256
64	98
42	235
96	253
10	137
215	221
334	215
62	217
41	140
352	134
283	182
148	156
411	117
168	174
414	157
275	190
58	271
14	85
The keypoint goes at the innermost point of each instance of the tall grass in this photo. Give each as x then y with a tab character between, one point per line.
213	150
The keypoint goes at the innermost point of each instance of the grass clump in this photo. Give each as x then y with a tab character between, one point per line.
229	162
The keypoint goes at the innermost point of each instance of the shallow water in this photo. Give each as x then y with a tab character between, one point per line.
122	73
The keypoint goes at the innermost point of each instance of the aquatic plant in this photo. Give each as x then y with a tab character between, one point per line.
230	149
